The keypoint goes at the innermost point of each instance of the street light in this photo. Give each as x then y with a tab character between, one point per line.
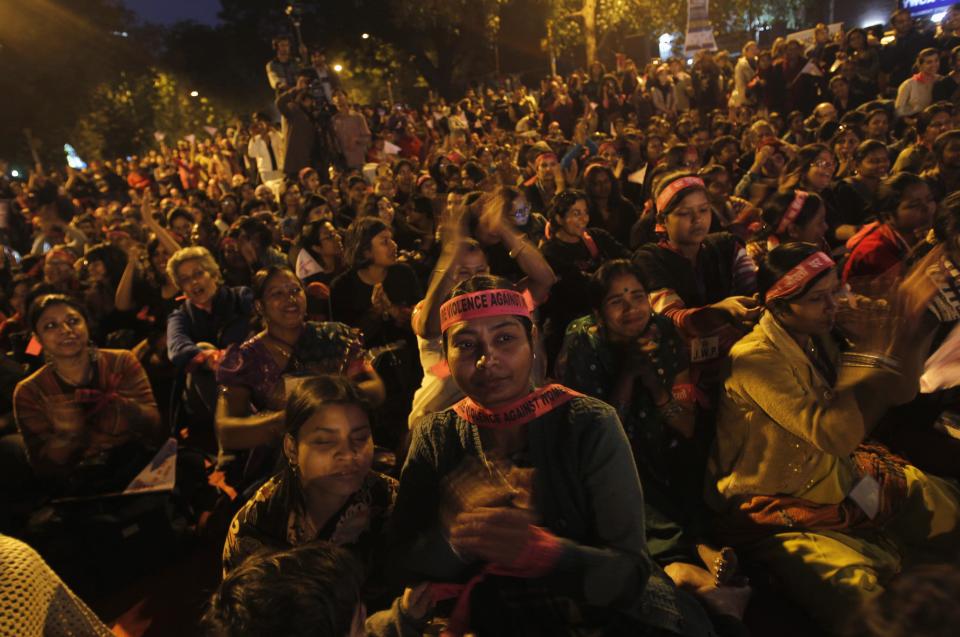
337	67
14	173
194	94
365	36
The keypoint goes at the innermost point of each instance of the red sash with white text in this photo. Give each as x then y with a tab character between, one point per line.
535	404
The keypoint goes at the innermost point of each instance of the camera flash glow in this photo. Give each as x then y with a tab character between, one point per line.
194	94
14	173
365	36
337	67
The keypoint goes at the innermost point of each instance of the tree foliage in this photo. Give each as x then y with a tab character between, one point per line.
611	20
53	53
124	115
448	42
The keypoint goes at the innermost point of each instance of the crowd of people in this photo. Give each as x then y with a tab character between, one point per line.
613	355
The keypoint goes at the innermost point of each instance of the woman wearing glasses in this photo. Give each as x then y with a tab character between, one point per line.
814	169
320	258
213	317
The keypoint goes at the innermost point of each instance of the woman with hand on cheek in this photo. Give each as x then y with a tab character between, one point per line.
326	489
634	359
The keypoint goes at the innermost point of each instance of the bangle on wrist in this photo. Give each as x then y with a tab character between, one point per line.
875	361
516	251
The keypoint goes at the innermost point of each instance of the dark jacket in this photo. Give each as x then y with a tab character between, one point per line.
300	132
587	493
227	324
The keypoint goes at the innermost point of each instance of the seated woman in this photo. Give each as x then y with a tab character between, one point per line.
634	359
252	375
503	243
320	258
213	317
326	489
920	430
574	252
88	417
844	140
791	216
104	265
529	496
905	212
461	259
702	282
383	208
795	487
730	213
377	294
856	195
813	170
608	208
145	288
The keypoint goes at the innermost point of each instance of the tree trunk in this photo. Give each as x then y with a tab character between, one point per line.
590	30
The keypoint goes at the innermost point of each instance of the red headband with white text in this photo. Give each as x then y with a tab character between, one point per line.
799	276
500	302
675	186
793	210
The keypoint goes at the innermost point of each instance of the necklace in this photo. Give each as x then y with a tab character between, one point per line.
280	347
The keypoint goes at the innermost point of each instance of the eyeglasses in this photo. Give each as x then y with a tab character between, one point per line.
827	164
521	213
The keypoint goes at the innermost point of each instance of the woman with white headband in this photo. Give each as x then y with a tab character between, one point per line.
796	485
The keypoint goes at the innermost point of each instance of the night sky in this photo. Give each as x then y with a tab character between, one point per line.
170	11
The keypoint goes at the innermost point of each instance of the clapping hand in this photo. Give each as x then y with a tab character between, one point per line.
380	301
495	535
416	602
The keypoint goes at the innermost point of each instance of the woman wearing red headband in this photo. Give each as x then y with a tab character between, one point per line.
796	487
703	282
527	499
792	216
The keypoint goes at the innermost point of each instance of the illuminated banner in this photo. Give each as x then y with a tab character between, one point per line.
699	30
926	7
